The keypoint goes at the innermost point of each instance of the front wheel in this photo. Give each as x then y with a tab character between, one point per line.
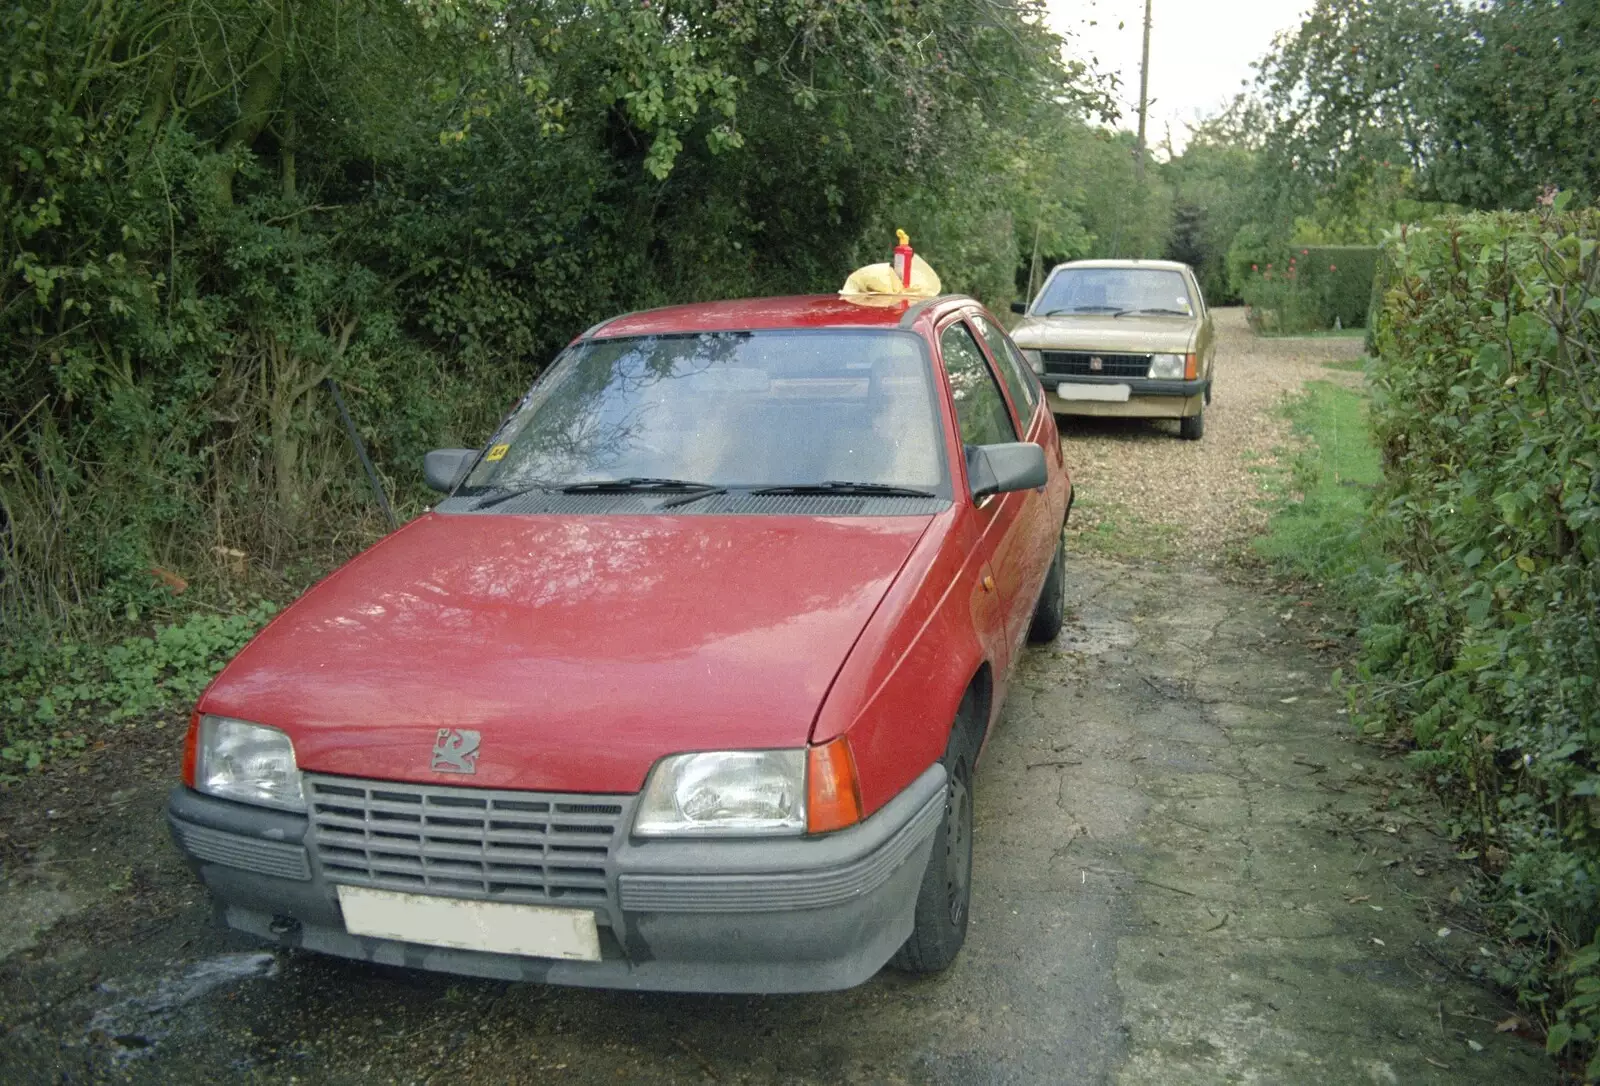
940	928
1193	428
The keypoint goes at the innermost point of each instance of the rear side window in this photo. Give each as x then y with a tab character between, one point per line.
980	409
1018	377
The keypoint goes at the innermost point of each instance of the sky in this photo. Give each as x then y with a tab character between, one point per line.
1200	50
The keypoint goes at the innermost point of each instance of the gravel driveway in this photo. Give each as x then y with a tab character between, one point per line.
1198	500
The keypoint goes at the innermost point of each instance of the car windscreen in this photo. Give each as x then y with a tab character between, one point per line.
1088	291
730	409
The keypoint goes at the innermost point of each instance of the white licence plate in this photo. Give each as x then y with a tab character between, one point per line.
1109	393
533	931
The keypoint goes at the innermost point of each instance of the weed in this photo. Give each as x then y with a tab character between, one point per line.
1110	530
55	694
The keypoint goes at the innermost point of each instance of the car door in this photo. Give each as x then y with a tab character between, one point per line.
1038	524
985	419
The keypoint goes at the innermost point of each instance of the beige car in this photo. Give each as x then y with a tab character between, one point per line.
1129	338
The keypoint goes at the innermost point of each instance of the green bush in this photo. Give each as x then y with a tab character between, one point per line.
1278	301
1340	277
1302	289
1484	643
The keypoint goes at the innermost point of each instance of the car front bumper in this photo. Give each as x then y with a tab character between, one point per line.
1148	398
752	915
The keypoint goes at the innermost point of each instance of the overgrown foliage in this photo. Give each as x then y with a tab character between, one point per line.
50	692
208	210
1312	287
1483	643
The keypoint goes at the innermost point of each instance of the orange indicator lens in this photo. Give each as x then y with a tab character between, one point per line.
833	795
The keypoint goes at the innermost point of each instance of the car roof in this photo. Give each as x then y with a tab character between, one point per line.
795	311
1128	262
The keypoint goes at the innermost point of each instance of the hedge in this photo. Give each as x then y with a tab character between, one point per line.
1484	642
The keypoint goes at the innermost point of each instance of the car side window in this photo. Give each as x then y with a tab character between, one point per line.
980	409
1013	370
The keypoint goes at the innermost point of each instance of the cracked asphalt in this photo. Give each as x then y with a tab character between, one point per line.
1186	871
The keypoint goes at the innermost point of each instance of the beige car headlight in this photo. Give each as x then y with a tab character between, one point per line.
1167	367
1035	359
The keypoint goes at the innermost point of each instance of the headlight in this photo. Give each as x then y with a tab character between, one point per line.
1167	366
725	793
1035	359
235	759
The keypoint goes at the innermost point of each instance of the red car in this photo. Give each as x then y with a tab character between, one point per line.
682	685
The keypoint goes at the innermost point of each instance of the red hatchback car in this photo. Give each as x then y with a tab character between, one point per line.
682	685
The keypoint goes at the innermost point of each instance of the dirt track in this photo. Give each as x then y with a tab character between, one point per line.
1187	871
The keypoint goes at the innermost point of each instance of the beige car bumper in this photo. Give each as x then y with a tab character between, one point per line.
1135	407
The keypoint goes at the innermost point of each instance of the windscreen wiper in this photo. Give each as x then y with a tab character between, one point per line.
1165	312
1080	309
514	492
843	486
632	483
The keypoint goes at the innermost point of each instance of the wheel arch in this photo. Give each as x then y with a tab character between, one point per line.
980	689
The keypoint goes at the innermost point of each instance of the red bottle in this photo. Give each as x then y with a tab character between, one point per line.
902	259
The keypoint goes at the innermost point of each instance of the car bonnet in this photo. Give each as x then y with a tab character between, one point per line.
1139	334
577	649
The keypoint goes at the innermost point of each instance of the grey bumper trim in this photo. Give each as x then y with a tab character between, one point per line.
781	891
801	914
276	858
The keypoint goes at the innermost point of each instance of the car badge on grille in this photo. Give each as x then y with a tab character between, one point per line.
1096	363
455	750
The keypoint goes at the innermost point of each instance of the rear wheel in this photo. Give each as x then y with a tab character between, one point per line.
1050	613
941	920
1193	428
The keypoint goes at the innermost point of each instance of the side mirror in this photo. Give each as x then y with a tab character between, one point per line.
1001	469
1019	307
444	468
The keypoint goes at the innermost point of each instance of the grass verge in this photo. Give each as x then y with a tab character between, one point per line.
1319	527
1321	333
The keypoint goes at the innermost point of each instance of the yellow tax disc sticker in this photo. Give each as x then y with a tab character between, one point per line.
498	452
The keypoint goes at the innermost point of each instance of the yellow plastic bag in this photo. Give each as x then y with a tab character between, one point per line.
883	280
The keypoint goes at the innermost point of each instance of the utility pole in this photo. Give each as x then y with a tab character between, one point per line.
1144	97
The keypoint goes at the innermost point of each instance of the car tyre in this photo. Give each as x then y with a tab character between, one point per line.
1193	428
940	927
1050	613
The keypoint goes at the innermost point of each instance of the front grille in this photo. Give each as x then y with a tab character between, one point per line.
530	847
1079	364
